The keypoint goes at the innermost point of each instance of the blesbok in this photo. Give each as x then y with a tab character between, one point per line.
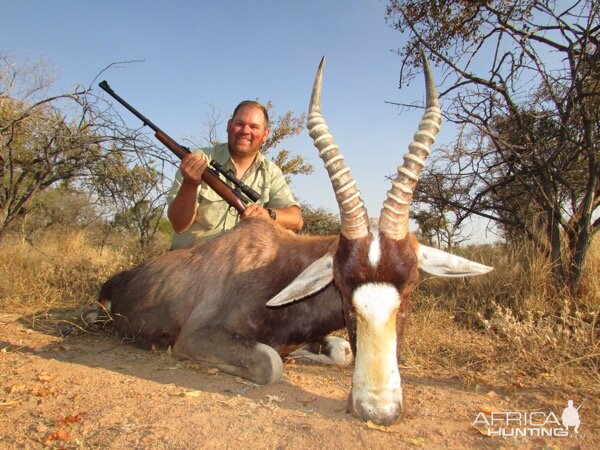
259	292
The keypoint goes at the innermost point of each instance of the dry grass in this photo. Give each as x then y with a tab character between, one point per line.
60	270
509	323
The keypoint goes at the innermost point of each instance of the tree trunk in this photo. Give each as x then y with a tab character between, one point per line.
578	245
556	254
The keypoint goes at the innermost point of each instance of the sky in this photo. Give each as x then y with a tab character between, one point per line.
194	54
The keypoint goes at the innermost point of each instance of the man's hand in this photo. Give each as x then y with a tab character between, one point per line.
192	168
182	210
256	210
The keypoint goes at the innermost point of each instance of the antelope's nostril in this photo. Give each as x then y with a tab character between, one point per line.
383	414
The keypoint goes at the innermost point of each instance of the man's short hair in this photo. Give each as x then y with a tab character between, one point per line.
255	104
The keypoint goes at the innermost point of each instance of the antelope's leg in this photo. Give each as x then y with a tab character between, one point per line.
233	353
327	350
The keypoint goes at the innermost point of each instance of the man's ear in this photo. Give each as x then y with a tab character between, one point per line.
266	136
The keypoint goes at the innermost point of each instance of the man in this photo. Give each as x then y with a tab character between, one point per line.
197	213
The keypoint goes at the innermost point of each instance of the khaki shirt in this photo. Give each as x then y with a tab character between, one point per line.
214	216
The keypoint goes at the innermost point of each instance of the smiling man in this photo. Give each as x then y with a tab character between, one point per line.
197	213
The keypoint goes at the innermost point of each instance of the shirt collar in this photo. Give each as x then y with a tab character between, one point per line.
221	155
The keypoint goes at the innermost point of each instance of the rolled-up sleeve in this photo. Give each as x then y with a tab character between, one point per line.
280	194
174	187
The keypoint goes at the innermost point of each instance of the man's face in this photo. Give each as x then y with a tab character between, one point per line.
246	131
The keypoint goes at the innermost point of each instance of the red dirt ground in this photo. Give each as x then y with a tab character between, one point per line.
92	391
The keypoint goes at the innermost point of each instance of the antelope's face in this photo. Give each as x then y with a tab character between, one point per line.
376	275
375	270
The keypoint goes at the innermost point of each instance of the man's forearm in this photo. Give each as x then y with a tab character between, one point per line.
290	218
182	211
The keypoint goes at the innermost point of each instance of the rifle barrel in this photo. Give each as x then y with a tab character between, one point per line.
210	177
104	85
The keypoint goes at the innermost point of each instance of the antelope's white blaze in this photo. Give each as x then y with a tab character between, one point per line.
374	252
376	388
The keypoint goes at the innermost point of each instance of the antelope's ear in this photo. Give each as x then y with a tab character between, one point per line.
438	262
312	279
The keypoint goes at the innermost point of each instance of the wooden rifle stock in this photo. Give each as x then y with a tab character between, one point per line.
210	176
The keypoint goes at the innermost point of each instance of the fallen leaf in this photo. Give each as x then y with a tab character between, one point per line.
58	435
373	426
70	419
240	380
275	398
40	391
45	377
487	409
191	394
483	432
306	401
18	388
10	403
415	442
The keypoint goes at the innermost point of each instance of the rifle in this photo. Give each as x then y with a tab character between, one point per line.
211	174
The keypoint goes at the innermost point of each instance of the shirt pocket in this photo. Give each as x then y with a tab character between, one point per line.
211	209
265	193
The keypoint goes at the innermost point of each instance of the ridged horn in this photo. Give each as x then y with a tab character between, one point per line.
393	220
353	214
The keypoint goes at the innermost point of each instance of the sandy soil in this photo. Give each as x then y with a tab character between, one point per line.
89	390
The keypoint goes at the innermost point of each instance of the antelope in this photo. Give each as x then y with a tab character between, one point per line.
259	293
